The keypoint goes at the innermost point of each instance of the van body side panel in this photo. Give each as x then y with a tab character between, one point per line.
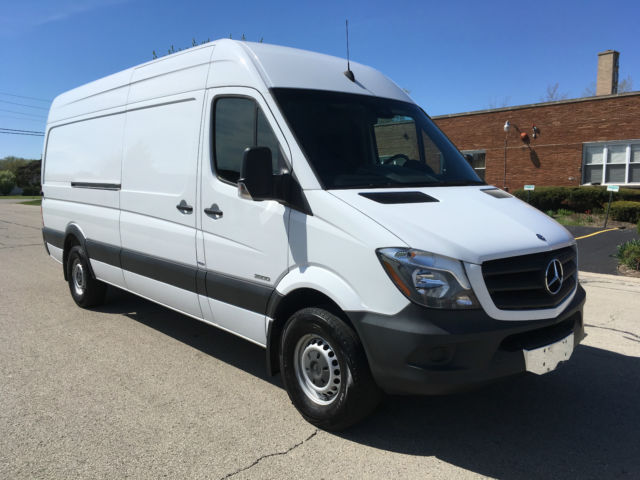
174	74
336	246
96	98
82	177
159	174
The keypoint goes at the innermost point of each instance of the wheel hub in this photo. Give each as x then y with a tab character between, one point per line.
79	278
317	369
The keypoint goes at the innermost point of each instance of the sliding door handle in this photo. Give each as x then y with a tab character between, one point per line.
213	211
184	208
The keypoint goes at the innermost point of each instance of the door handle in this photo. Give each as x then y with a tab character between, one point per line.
214	211
184	208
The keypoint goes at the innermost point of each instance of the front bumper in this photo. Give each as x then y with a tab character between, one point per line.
429	351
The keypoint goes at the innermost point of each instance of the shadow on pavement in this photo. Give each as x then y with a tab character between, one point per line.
581	421
208	339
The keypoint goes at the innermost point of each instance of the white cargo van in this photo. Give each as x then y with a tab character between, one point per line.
325	218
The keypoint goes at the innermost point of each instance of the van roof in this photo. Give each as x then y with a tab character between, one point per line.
222	62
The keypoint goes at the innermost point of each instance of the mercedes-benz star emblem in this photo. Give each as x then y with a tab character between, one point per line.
553	276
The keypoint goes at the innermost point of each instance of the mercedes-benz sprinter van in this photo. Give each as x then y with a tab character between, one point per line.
318	213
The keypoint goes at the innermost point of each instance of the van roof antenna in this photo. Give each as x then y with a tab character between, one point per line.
349	74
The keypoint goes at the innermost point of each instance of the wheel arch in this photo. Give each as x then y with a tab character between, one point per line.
281	307
73	236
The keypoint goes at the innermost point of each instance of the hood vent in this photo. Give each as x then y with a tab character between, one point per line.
497	193
398	197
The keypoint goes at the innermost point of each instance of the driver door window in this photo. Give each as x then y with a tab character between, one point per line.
239	123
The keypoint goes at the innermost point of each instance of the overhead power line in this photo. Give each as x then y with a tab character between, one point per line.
26	134
25	97
24	105
23	131
10	117
22	113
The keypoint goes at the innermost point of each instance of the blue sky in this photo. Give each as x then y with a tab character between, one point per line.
451	56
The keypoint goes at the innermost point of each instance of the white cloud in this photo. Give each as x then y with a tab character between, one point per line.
27	14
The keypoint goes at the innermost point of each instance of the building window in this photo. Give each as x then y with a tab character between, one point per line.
477	160
616	163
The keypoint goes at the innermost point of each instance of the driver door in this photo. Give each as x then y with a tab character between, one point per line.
245	242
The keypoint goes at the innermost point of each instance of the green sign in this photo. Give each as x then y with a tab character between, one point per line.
529	187
610	188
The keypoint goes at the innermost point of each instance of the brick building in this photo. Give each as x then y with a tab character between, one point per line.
583	141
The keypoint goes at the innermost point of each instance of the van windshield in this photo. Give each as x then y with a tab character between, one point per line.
360	141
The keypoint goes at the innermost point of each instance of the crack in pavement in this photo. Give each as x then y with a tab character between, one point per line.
614	330
259	459
18	246
20	225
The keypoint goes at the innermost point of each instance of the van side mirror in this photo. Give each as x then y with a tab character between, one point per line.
256	174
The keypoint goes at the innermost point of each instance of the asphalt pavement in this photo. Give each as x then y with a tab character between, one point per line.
134	390
597	251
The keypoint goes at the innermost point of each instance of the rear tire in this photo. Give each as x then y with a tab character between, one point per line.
325	370
86	291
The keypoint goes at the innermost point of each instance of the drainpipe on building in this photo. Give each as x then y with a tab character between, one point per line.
507	127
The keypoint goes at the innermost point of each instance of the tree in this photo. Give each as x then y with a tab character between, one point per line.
7	182
553	94
28	178
590	90
625	85
12	163
497	102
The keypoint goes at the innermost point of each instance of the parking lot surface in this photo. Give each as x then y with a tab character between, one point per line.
135	390
597	250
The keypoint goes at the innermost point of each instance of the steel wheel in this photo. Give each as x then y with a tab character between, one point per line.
317	369
86	290
79	277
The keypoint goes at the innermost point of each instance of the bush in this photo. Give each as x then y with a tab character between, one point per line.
581	199
625	211
629	254
629	194
576	199
544	198
28	178
638	227
7	182
31	191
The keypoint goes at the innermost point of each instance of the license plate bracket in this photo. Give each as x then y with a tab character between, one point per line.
546	359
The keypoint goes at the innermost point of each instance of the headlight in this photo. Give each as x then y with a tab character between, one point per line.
428	279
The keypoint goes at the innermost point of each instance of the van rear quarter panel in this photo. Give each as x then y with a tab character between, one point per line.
87	151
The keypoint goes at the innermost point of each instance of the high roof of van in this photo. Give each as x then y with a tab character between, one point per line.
220	63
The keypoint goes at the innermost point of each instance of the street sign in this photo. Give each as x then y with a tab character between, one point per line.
529	187
610	189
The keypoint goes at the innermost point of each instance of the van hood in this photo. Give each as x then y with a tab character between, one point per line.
473	224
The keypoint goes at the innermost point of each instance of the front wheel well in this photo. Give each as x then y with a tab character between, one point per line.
287	306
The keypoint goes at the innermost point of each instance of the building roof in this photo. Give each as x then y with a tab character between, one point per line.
539	105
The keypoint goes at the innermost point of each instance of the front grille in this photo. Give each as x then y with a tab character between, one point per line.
518	283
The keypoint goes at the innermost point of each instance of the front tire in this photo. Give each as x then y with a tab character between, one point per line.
86	291
325	370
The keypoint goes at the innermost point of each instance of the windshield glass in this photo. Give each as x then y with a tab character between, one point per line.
360	141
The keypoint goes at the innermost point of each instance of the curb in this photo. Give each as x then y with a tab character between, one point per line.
587	278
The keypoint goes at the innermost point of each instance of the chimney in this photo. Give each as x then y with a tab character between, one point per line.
607	83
